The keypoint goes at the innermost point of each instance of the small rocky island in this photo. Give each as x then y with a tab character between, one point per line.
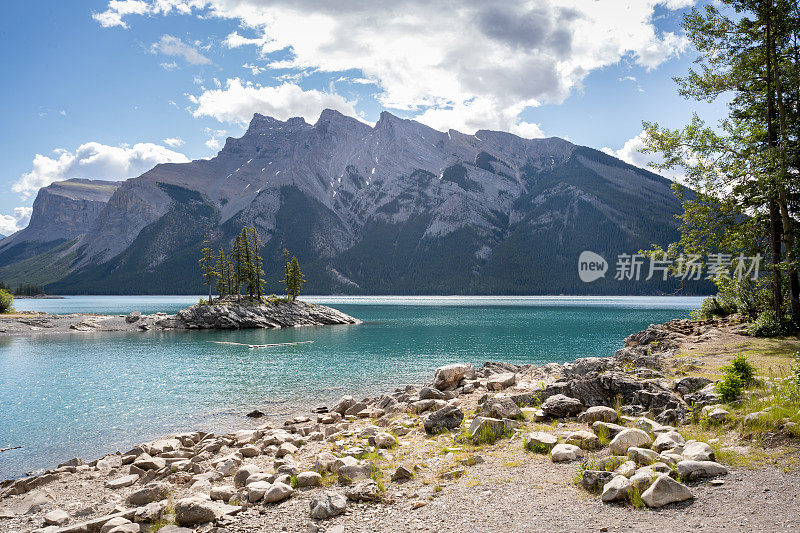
232	314
226	313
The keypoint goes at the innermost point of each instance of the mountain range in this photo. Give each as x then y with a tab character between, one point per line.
394	208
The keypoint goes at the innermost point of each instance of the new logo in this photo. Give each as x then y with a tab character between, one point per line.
591	266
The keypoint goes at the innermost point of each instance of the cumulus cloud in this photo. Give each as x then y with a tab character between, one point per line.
170	45
434	58
238	101
16	221
94	160
631	152
174	142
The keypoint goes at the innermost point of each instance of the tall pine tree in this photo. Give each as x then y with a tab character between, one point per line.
207	264
257	273
221	269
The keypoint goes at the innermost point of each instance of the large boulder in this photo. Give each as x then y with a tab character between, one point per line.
501	381
486	428
606	429
594	480
617	489
327	505
195	511
309	479
629	437
690	470
364	491
598	413
560	406
277	492
502	407
565	452
152	492
345	403
583	439
539	441
667	441
240	478
698	451
445	419
447	377
664	491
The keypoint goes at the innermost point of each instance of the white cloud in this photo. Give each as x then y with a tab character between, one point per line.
174	142
480	113
11	223
118	9
631	152
170	45
94	160
213	144
238	101
435	59
169	66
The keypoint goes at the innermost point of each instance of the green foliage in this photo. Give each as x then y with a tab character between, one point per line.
6	301
733	296
206	263
292	276
730	387
28	289
256	270
766	325
742	368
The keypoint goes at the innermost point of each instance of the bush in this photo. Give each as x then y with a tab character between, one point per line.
742	368
730	387
6	300
766	325
744	297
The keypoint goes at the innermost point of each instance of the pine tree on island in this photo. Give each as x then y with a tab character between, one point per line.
292	276
221	269
256	274
237	255
207	264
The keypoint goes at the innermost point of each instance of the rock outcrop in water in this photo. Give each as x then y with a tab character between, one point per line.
228	314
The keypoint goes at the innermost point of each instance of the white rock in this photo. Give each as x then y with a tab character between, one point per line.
616	489
664	491
629	437
56	517
689	470
565	452
277	492
698	451
309	479
642	456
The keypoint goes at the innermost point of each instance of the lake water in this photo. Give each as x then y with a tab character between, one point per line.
85	394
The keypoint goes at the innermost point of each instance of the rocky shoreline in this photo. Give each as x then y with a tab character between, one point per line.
404	461
228	314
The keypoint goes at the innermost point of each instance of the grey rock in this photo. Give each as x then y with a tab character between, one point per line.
561	406
447	377
585	440
446	418
642	456
565	452
540	441
698	451
402	473
501	381
482	427
124	481
594	480
598	413
690	470
149	493
364	491
664	491
277	492
57	517
627	438
617	489
502	407
309	479
327	505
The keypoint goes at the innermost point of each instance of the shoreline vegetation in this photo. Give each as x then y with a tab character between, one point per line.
651	427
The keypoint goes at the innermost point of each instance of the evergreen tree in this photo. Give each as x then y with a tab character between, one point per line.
221	269
230	275
297	278
207	264
292	276
257	272
248	265
744	171
237	255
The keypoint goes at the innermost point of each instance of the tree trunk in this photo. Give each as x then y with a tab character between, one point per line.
775	225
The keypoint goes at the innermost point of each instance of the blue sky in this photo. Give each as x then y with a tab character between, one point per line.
105	90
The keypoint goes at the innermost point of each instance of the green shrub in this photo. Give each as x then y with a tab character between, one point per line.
742	368
766	325
6	299
730	387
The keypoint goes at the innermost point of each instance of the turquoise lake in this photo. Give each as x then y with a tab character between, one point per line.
89	394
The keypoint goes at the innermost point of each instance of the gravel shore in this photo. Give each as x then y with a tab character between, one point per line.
418	459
